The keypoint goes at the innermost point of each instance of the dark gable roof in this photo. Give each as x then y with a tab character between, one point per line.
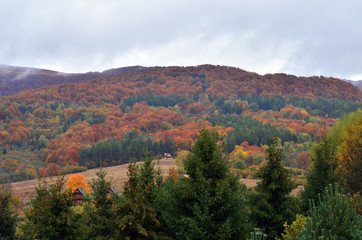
113	189
81	190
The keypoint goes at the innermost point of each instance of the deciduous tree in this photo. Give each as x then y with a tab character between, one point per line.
76	181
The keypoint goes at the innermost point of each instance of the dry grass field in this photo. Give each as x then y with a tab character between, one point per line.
118	174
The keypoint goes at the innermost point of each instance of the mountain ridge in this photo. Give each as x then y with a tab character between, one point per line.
14	79
357	83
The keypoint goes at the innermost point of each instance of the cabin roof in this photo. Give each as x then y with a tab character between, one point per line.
113	189
81	190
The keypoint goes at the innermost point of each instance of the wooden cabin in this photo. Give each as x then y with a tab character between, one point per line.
79	196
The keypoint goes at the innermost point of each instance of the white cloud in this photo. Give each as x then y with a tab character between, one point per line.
355	77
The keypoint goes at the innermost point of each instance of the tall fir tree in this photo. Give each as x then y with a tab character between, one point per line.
99	211
322	171
209	202
136	217
272	204
50	215
8	216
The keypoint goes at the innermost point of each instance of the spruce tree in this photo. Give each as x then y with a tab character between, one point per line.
208	203
99	211
136	217
272	204
8	215
50	215
322	170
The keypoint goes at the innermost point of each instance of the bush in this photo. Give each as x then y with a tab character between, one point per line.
73	169
292	231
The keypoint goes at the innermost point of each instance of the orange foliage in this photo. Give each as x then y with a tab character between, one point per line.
76	181
294	118
303	160
173	174
52	169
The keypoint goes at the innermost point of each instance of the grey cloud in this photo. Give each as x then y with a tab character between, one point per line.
298	37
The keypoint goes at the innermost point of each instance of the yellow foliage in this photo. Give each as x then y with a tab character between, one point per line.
349	151
239	154
292	232
15	199
181	156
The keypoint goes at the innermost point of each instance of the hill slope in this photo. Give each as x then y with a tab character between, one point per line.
115	118
355	83
17	79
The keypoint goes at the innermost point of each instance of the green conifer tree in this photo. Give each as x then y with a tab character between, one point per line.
99	211
272	204
208	203
50	215
322	170
335	217
8	216
136	217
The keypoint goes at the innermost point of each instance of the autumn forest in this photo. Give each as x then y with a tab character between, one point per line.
74	126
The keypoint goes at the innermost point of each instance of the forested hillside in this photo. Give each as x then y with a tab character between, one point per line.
121	115
17	79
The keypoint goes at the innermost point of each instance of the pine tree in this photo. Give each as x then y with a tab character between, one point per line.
335	217
8	216
272	205
209	203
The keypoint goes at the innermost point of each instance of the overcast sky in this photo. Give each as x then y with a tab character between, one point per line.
302	37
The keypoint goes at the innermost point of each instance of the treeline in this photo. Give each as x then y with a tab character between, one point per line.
120	151
210	203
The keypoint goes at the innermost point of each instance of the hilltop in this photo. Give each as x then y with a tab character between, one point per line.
16	79
357	83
